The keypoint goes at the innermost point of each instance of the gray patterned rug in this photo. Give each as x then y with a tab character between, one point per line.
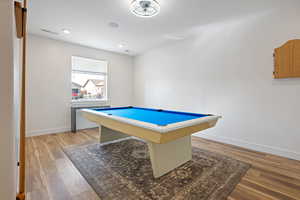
122	170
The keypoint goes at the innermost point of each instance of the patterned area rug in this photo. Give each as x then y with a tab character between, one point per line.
122	170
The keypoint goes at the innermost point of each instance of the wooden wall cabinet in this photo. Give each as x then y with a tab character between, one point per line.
287	60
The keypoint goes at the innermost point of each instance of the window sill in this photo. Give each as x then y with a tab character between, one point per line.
90	102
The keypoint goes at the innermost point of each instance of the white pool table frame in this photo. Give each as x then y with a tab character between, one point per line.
169	146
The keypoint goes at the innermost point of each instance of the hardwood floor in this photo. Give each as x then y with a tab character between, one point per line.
51	175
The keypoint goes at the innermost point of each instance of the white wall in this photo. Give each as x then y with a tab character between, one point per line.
226	69
7	145
49	82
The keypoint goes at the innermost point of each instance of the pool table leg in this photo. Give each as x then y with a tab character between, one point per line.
107	134
168	156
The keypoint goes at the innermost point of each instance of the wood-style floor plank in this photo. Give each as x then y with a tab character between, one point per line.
247	156
50	175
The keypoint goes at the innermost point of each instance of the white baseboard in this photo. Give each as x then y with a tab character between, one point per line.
47	131
256	147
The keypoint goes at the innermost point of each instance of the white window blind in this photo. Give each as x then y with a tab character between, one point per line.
81	64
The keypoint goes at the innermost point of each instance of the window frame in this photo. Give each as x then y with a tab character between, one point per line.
91	101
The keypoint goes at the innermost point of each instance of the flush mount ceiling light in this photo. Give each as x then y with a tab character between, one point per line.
144	8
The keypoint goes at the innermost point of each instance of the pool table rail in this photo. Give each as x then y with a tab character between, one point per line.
149	131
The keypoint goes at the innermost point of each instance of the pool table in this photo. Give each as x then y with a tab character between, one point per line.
167	133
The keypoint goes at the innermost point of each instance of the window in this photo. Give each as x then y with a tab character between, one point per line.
89	79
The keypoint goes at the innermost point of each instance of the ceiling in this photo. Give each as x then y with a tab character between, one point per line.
88	21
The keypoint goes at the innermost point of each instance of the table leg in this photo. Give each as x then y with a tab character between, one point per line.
107	134
168	156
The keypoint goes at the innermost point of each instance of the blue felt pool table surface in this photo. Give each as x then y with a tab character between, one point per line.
153	116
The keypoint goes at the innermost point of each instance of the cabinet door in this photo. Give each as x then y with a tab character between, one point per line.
296	59
283	61
287	60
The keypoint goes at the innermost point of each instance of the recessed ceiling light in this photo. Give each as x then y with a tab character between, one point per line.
113	24
145	8
121	46
66	31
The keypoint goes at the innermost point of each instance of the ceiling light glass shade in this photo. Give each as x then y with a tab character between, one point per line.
144	8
